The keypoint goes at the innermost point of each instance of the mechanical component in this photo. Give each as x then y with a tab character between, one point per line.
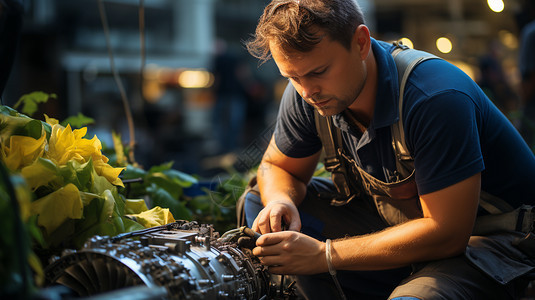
190	260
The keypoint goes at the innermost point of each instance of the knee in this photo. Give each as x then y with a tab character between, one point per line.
252	206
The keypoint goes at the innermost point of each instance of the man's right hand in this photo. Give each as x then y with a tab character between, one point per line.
275	214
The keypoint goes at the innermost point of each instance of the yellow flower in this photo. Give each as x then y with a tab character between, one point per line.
154	217
66	144
50	120
109	172
135	206
22	151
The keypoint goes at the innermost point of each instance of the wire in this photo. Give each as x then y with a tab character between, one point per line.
142	44
126	105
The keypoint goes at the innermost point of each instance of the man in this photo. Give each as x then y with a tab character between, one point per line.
460	142
526	64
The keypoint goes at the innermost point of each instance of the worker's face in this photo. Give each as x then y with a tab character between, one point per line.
330	77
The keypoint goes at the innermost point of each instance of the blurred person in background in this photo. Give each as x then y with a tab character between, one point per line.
493	79
230	107
393	226
526	64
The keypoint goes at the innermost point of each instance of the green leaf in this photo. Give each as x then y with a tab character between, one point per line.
100	183
162	198
109	206
120	204
101	217
181	178
78	174
18	125
78	121
162	181
87	198
130	225
35	232
62	236
161	168
43	172
31	100
132	172
85	228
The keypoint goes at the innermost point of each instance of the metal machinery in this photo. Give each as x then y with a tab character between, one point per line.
181	260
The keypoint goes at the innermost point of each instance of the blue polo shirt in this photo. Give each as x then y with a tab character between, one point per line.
452	130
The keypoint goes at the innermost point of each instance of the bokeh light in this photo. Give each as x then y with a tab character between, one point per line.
407	42
496	5
444	45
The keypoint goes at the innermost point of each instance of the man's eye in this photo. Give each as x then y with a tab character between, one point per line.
318	72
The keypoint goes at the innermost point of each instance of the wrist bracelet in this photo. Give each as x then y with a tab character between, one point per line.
328	256
332	271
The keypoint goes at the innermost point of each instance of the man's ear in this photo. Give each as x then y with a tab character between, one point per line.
361	41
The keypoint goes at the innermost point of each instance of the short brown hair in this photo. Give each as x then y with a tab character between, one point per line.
294	25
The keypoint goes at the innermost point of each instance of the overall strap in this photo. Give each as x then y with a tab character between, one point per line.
406	59
331	138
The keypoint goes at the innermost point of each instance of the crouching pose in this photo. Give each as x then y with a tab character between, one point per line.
431	185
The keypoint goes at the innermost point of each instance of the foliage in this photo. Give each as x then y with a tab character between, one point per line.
160	186
77	121
30	102
74	189
69	190
217	204
15	277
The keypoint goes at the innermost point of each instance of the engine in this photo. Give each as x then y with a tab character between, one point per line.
181	260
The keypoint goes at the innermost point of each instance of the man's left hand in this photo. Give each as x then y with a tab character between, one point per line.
290	252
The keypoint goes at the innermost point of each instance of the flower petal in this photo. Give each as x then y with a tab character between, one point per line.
40	173
109	172
57	207
155	217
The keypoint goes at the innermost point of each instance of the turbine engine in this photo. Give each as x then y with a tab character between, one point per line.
181	260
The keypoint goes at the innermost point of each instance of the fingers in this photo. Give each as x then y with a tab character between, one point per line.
272	238
290	252
262	222
271	217
275	222
294	224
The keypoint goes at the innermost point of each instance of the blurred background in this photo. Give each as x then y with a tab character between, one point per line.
197	97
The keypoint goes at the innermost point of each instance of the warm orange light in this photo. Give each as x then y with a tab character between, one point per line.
407	42
444	45
195	79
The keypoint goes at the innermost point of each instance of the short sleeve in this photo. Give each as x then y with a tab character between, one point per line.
444	136
295	132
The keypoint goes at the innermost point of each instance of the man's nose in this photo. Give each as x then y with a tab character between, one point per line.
309	88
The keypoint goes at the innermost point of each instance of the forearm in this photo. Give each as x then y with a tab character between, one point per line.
276	184
448	219
414	241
